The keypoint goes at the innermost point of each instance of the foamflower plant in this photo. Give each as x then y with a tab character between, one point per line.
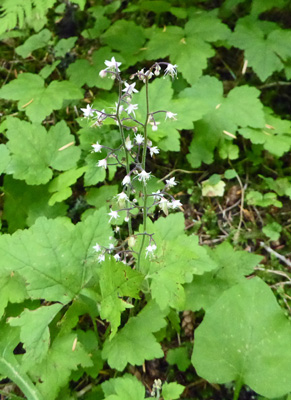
132	156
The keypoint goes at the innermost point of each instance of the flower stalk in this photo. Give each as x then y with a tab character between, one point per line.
135	150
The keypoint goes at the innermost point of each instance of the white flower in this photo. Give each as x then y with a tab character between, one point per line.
164	204
170	115
120	107
101	258
139	139
131	241
150	249
117	229
88	111
97	147
97	248
113	214
130	109
121	199
101	114
154	150
122	196
157	195
113	64
126	180
102	73
149	74
117	257
128	143
144	176
126	219
175	204
157	70
171	182
100	117
111	246
171	70
155	125
102	163
129	89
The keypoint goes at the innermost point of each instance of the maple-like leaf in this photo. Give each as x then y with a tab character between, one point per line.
190	47
266	45
64	356
127	387
233	266
117	280
245	337
54	256
241	108
34	151
34	332
83	72
177	259
37	100
135	342
34	42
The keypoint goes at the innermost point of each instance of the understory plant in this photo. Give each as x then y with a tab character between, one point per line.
134	200
114	283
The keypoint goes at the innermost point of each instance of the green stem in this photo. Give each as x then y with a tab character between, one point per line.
237	389
125	149
144	153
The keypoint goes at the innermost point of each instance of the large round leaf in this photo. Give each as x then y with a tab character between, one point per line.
246	338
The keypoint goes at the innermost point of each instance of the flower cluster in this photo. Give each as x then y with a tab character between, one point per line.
132	155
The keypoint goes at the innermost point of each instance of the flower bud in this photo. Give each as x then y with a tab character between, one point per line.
131	241
102	73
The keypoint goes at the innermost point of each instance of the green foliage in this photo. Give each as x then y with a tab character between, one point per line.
10	367
241	108
232	267
272	230
126	37
72	323
56	368
34	332
83	72
190	47
125	388
64	46
4	158
250	344
37	100
180	357
56	276
13	289
263	200
117	281
25	203
60	186
265	44
34	151
17	12
170	269
34	42
172	391
135	342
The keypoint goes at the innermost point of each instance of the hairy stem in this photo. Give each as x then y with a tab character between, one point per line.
144	153
125	149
